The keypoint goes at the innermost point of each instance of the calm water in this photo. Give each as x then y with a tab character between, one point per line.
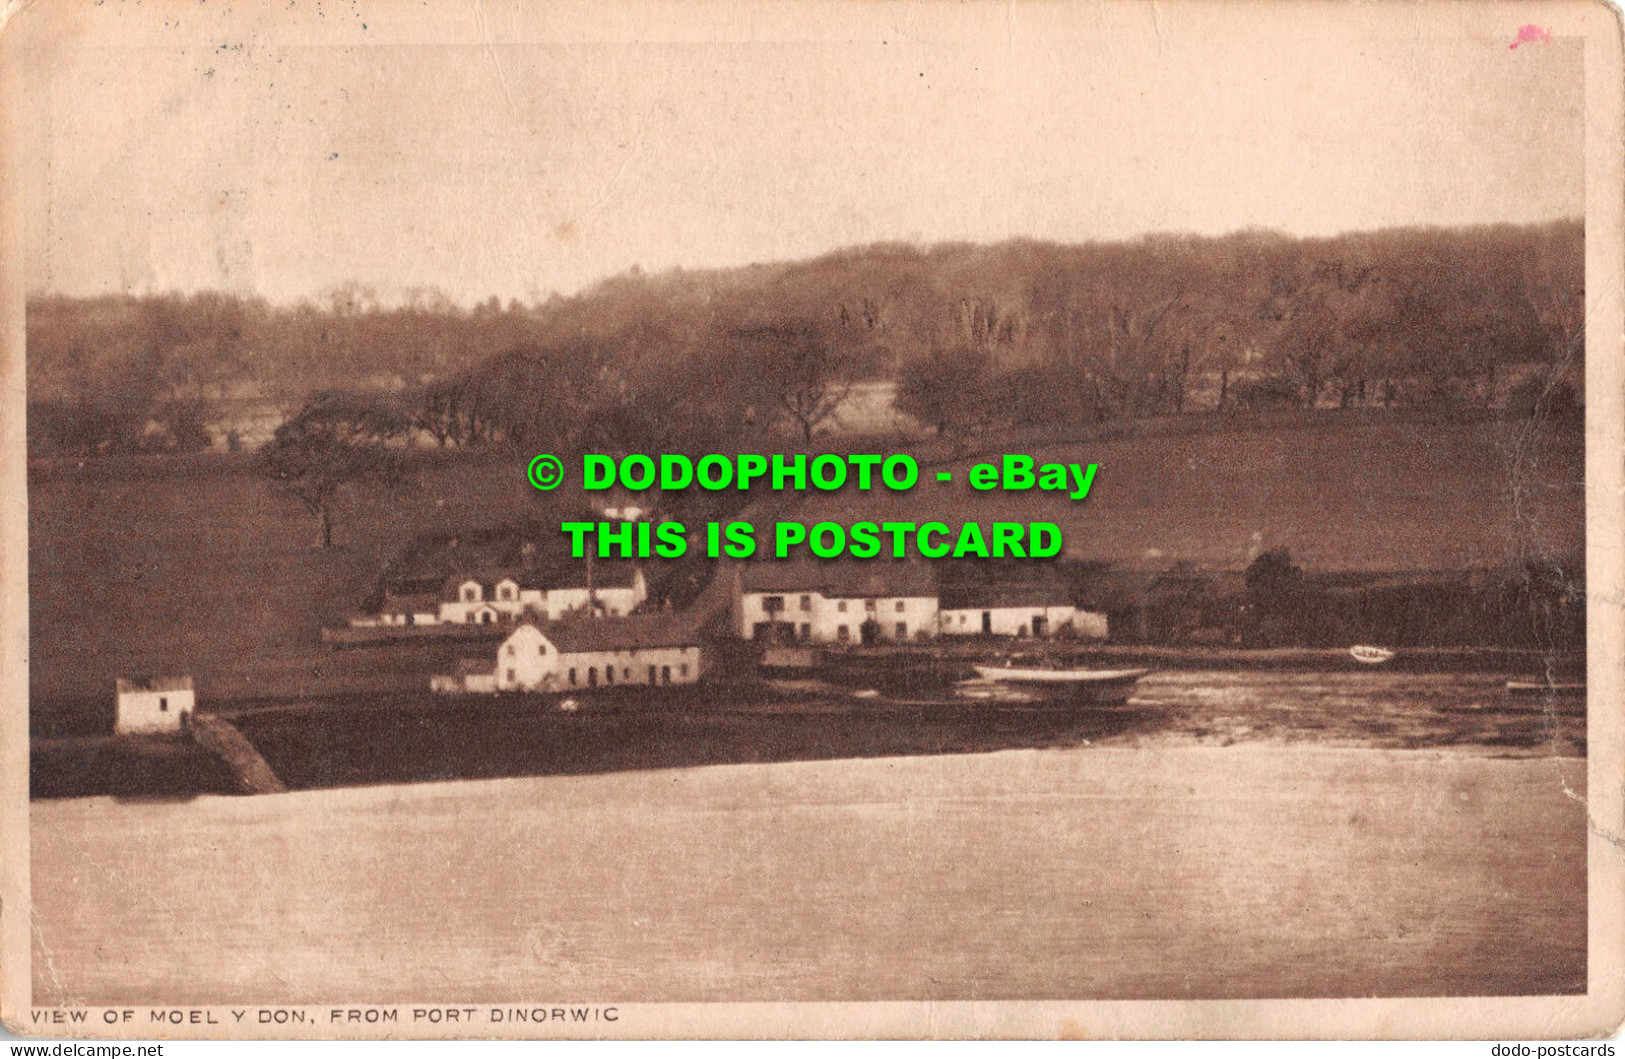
1221	835
1088	872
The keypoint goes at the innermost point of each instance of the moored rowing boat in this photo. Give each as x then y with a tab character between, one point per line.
1091	685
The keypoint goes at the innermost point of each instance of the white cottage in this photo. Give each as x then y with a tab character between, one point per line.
1020	611
581	653
882	600
153	705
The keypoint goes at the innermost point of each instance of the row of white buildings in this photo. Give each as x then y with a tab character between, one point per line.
813	603
579	630
583	653
492	581
491	596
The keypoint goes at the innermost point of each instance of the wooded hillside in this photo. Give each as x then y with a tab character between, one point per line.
1022	331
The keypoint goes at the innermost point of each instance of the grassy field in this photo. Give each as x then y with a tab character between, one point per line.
198	567
1341	494
213	573
1193	872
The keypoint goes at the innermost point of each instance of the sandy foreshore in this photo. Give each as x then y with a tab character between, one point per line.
1089	873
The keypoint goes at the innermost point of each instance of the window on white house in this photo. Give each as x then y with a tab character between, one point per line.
868	604
163	705
902	630
512	650
843	633
841	606
685	669
471	593
899	606
806	603
572	676
510	676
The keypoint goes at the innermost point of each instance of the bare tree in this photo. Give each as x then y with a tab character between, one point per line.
1138	355
948	390
798	371
337	440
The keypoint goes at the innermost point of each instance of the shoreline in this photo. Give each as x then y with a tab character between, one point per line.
1486	660
394	792
374	740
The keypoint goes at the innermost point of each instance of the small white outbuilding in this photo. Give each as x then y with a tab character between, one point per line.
153	705
583	653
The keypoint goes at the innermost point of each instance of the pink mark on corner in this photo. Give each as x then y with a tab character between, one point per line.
1530	35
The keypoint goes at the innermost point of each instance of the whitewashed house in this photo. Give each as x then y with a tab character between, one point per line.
1020	611
881	600
152	705
580	654
491	596
409	608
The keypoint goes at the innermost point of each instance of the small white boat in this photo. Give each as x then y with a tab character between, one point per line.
1371	656
1092	685
1060	676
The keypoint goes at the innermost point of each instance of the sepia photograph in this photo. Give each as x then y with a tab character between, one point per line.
812	519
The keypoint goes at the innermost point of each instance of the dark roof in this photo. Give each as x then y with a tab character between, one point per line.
150	683
621	634
1115	589
536	552
411	600
488	580
606	573
841	579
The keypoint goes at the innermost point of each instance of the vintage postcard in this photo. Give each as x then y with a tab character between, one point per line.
812	519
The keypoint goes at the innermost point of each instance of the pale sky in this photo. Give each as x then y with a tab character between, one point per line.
174	146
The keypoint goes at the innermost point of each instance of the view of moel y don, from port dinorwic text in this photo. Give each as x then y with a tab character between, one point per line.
324	705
